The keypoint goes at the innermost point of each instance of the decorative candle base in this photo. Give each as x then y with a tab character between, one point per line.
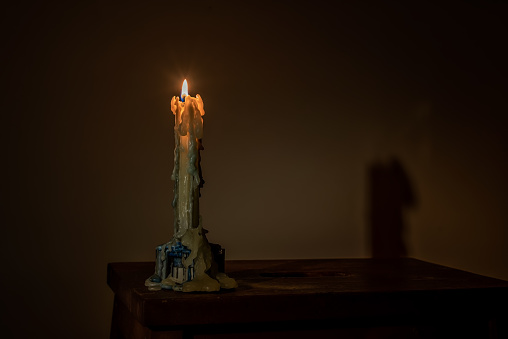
190	264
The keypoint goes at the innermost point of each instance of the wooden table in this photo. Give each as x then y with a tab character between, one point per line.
350	298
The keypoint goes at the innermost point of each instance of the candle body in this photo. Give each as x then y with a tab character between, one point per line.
184	188
187	172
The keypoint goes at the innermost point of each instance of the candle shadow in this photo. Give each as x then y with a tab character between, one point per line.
390	193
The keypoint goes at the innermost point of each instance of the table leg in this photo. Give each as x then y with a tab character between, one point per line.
125	326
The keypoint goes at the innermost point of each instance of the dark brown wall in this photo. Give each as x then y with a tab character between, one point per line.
307	109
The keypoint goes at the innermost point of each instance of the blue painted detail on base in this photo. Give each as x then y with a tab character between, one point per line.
155	278
179	250
166	287
176	255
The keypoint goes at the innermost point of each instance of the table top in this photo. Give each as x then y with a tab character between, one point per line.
313	289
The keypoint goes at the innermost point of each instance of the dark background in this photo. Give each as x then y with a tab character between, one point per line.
330	131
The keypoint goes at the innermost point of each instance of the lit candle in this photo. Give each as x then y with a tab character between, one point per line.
187	262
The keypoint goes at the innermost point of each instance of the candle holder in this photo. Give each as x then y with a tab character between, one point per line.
188	262
180	268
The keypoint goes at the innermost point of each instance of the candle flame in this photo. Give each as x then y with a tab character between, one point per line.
185	90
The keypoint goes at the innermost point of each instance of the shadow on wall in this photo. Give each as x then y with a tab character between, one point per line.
390	193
